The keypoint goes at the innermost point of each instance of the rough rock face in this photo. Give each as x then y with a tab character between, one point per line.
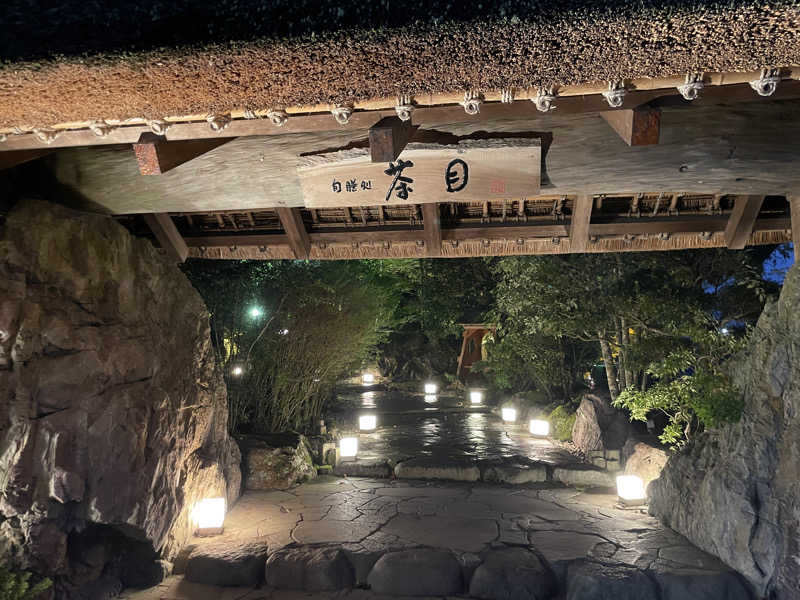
276	462
644	460
735	492
113	416
599	426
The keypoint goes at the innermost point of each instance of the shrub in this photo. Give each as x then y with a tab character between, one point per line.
561	423
16	585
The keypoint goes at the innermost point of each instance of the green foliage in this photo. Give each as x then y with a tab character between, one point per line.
562	420
319	322
17	586
693	388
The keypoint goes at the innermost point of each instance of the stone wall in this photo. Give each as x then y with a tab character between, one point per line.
735	492
113	415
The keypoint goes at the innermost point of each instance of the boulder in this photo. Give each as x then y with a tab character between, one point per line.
589	580
227	563
512	574
417	572
516	471
378	469
735	491
276	462
644	460
584	476
310	568
598	425
113	412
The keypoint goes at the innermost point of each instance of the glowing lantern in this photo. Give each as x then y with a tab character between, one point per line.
540	428
430	388
630	490
237	371
509	414
476	397
348	447
367	422
255	312
208	515
368	378
430	398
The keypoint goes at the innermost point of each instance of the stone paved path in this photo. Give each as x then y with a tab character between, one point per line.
439	539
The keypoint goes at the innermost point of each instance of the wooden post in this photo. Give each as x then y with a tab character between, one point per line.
794	205
433	229
156	155
388	137
742	219
292	221
638	126
579	223
167	235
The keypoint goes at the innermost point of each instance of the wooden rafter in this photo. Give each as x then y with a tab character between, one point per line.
296	233
168	237
743	218
579	223
12	159
640	126
432	224
388	137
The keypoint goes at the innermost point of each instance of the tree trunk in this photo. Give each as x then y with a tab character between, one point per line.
608	360
626	342
621	372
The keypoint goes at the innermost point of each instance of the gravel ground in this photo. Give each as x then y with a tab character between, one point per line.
84	61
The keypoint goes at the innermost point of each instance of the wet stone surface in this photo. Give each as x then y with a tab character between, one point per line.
583	541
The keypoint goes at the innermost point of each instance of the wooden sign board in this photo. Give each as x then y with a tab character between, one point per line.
472	171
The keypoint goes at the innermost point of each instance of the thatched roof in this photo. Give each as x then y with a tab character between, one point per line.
363	52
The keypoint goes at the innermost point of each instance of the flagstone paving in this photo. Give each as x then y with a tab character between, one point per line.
334	535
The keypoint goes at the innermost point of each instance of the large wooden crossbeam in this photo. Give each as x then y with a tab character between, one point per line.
296	233
168	236
12	159
156	155
742	219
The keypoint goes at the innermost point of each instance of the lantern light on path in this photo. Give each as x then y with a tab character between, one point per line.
348	447
208	515
539	427
367	422
509	414
476	397
630	490
430	388
430	398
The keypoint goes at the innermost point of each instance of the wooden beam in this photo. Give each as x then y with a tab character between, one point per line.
579	223
504	232
743	218
292	221
638	126
168	236
388	137
794	206
428	116
431	221
156	155
14	158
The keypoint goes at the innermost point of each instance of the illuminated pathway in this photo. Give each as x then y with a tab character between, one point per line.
440	539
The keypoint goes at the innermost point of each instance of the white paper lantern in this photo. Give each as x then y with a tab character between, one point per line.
539	428
430	388
367	422
630	489
476	397
368	378
509	414
209	515
348	447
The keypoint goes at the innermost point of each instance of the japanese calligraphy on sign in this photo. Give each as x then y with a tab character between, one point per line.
482	170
